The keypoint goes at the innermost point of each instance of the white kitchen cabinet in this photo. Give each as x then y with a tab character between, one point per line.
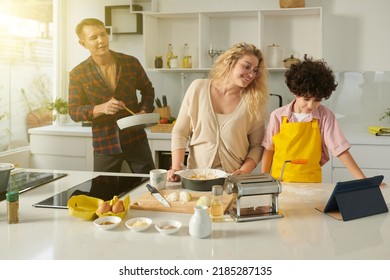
372	159
61	147
70	147
298	31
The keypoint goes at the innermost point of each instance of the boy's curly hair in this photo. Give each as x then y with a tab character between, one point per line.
311	78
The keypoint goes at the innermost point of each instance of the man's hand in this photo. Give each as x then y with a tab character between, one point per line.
112	106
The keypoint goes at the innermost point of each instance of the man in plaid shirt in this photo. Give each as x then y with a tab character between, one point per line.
99	89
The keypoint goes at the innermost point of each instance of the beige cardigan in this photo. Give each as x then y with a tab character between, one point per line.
196	126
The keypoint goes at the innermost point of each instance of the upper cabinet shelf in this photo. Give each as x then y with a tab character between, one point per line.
297	31
120	21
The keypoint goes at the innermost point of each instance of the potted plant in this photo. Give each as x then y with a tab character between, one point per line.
386	115
61	109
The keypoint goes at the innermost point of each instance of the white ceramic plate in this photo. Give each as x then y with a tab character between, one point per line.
138	121
168	227
138	224
107	222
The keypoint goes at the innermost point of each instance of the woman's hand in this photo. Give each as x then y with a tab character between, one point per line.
240	171
172	177
246	168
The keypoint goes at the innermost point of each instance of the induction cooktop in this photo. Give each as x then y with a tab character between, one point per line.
104	187
27	180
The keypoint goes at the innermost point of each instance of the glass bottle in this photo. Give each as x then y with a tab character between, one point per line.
216	207
169	55
187	59
12	197
174	63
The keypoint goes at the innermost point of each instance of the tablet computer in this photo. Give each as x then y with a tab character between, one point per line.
340	187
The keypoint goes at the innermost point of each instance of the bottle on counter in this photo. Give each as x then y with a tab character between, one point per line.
216	206
187	59
12	197
169	55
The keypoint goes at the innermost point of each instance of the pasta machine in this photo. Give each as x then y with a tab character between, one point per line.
255	197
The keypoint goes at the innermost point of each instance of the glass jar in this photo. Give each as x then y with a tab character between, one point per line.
158	62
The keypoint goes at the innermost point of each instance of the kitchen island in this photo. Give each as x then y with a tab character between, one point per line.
303	233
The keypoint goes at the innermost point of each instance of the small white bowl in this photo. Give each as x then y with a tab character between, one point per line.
138	224
168	227
107	222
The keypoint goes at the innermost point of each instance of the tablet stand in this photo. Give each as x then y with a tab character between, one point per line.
360	202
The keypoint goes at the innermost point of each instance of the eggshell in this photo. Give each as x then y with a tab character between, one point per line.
103	208
118	207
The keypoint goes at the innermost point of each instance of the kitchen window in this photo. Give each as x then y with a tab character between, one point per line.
26	69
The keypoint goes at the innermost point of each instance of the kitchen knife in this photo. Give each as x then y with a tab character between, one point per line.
158	103
157	195
165	102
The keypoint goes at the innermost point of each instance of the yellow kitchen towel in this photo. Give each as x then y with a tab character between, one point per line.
378	129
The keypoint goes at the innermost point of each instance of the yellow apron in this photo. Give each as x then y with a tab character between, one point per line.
298	140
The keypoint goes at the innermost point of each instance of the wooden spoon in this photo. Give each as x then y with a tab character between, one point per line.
128	110
186	168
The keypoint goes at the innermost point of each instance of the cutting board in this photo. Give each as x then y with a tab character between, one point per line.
148	202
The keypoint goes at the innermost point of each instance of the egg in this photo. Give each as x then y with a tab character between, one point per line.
104	208
203	200
118	207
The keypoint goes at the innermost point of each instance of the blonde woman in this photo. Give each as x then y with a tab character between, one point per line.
222	119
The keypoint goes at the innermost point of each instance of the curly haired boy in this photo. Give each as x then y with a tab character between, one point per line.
305	129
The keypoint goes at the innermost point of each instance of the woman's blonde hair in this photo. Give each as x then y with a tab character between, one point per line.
256	93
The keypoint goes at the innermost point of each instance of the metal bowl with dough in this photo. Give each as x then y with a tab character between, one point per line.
138	121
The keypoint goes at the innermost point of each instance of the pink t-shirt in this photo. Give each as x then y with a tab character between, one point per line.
332	137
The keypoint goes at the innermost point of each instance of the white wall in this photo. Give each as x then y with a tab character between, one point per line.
355	43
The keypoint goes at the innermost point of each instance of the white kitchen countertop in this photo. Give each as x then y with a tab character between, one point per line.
355	135
361	136
75	129
63	130
304	232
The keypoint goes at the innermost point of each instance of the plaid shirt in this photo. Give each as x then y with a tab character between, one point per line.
88	88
